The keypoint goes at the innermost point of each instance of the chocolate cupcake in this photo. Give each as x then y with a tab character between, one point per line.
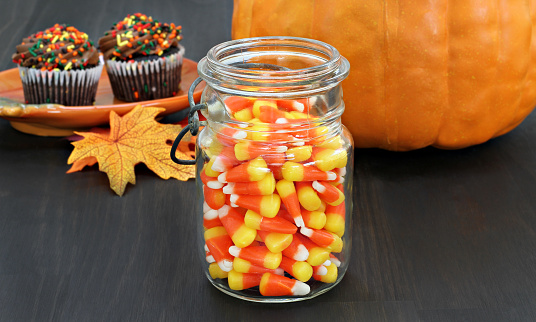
59	65
143	58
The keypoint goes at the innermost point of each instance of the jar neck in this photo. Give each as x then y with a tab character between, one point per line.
305	67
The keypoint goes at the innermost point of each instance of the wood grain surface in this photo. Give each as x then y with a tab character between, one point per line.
437	235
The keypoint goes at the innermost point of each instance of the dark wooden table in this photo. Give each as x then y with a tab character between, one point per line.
437	235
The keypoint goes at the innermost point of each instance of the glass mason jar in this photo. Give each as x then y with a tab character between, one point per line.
274	168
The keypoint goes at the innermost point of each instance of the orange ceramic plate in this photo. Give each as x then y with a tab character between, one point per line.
59	120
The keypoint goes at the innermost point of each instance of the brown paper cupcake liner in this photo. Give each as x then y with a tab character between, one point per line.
66	87
146	80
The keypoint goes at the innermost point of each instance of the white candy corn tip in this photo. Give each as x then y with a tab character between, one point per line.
233	198
228	189
301	254
322	270
281	149
319	187
299	221
214	184
211	214
298	106
281	120
306	231
210	259
279	271
218	165
327	263
240	135
223	211
342	171
335	261
226	265
300	288
234	250
222	177
206	207
331	175
206	248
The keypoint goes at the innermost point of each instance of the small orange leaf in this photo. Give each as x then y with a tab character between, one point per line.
133	138
80	164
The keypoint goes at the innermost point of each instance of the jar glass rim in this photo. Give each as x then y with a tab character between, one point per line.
221	67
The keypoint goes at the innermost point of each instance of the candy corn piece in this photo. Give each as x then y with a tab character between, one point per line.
328	193
317	255
287	192
215	198
296	250
293	171
229	136
244	115
335	260
208	256
307	196
323	238
276	242
328	159
302	271
299	153
333	143
330	276
208	168
269	114
218	243
233	222
266	206
257	255
276	224
259	103
216	272
275	285
234	104
320	270
225	160
266	186
241	281
243	266
335	217
248	150
253	170
314	219
211	182
211	219
292	105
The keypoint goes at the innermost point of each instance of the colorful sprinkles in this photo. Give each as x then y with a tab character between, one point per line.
139	35
61	47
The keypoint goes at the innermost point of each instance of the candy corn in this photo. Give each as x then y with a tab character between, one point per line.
266	206
293	171
218	243
257	255
302	271
253	170
275	285
241	281
233	222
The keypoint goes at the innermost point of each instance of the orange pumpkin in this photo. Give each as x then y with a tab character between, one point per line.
441	73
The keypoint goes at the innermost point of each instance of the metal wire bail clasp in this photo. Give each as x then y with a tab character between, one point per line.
193	124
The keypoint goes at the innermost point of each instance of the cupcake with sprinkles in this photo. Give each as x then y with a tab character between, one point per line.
59	65
143	58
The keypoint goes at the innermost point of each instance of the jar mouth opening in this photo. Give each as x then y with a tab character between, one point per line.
273	64
231	56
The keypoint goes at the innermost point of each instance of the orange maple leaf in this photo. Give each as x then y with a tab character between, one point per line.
133	138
